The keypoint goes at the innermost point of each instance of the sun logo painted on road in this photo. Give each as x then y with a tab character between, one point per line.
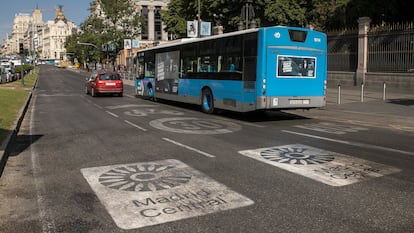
292	155
142	178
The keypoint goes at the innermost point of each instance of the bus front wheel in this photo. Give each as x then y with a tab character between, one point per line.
207	103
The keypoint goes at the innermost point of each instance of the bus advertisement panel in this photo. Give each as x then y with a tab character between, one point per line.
256	69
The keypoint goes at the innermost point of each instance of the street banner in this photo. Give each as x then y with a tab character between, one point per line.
127	44
205	29
192	28
135	43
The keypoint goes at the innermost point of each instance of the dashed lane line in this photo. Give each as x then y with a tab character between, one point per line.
189	148
112	114
134	125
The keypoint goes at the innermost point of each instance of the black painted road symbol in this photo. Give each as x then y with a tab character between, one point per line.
295	155
141	178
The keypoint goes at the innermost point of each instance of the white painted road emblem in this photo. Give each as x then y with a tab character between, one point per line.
324	166
192	125
332	128
144	194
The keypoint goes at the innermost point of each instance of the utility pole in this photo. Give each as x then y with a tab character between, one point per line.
199	18
21	52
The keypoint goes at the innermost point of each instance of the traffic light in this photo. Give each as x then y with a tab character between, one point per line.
21	49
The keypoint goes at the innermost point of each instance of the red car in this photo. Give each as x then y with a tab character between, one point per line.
104	82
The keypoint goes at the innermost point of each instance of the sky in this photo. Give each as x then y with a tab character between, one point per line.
75	11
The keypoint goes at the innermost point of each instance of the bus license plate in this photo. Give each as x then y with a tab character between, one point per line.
299	102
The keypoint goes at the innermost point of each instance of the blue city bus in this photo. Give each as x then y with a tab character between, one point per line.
270	68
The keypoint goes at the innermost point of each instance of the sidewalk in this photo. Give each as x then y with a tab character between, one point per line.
396	112
351	94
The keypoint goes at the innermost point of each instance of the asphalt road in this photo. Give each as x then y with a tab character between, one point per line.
126	164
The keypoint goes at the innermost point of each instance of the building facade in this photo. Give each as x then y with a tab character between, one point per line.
45	39
53	37
151	11
151	32
20	25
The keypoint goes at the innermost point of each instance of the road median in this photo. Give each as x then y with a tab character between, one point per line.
14	101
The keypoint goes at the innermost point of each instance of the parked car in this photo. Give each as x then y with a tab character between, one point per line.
104	82
3	74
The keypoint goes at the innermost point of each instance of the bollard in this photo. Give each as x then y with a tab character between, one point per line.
384	92
339	93
362	92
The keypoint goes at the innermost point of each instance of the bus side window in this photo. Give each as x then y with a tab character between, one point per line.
149	69
231	64
219	59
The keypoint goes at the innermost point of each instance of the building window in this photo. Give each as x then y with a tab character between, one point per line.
157	23
144	26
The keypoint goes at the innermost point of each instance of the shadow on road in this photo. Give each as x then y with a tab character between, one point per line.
19	144
22	142
256	116
405	102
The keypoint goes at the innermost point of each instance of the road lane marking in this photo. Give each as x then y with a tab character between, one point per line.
189	148
324	166
112	114
332	128
193	125
134	125
98	106
143	194
132	106
351	143
151	111
46	220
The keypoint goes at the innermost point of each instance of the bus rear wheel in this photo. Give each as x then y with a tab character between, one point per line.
207	103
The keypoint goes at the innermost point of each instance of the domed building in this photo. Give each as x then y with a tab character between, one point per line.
54	36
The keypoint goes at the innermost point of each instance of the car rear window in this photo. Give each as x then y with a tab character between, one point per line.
109	77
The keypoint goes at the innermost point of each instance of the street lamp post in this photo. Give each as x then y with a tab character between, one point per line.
90	44
199	18
87	44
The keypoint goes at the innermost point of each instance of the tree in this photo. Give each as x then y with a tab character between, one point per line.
284	12
175	18
267	12
324	15
110	22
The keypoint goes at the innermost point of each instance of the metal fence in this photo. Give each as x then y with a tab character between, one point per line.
343	50
390	49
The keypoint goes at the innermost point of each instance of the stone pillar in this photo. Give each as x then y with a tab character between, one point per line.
364	23
139	9
151	20
164	33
